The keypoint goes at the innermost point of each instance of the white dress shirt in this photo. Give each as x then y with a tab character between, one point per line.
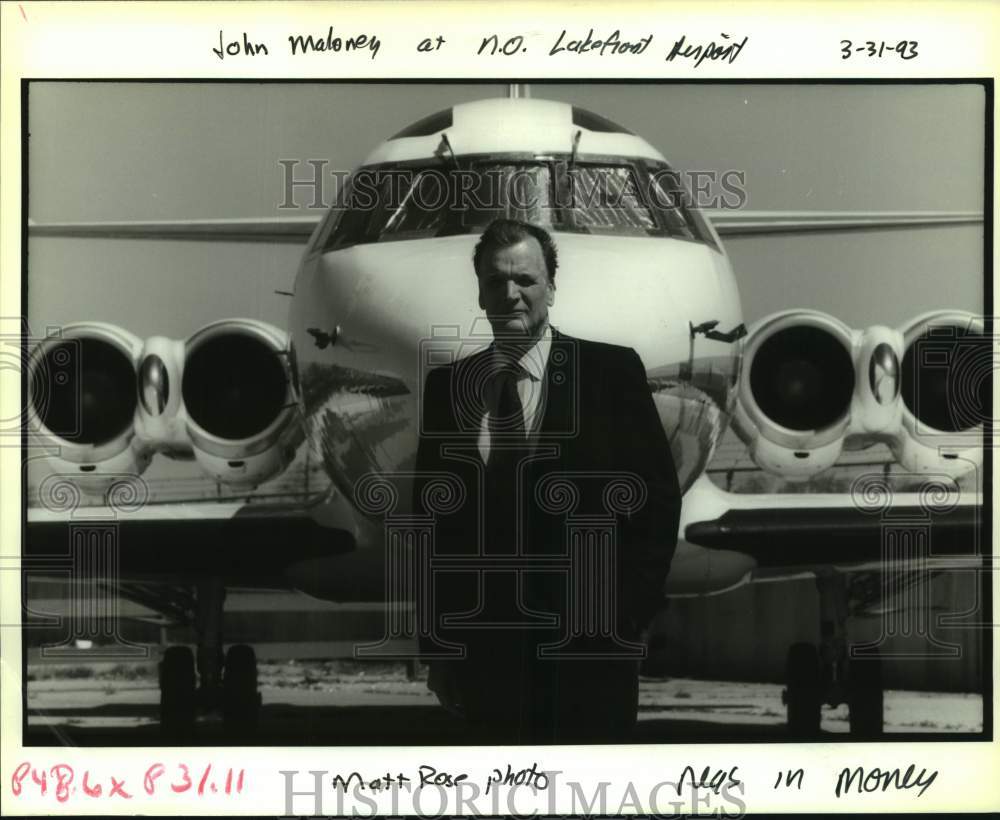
531	389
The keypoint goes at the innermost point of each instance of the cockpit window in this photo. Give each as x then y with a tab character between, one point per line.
409	207
561	193
603	199
512	190
672	201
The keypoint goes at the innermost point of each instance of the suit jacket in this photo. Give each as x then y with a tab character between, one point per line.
600	458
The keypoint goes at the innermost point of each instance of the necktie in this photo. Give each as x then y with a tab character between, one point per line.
507	437
508	421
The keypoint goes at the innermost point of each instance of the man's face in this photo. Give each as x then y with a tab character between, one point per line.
515	291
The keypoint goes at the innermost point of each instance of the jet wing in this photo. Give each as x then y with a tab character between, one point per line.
776	538
295	230
758	223
784	533
184	541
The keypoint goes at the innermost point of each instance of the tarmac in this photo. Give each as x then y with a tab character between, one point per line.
330	703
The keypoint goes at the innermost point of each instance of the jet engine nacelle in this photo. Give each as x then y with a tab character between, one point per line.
809	384
795	391
947	370
81	404
240	404
103	402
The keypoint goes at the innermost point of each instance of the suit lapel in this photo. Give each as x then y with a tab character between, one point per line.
468	396
559	417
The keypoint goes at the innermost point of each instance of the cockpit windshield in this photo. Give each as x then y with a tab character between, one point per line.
604	199
506	189
620	197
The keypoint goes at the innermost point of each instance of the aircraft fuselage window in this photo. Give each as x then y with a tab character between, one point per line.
563	193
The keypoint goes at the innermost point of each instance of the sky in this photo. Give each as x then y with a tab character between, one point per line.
119	151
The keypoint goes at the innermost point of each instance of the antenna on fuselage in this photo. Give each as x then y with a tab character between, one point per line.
576	145
445	145
516	91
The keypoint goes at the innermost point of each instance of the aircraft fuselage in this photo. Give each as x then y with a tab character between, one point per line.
388	291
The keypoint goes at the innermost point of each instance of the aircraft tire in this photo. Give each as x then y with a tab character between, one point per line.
240	699
804	690
177	692
865	696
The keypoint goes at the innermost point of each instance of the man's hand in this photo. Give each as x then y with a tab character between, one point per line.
442	680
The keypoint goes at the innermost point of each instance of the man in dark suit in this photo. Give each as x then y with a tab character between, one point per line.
560	547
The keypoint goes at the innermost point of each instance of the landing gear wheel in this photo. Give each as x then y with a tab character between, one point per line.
804	692
240	698
177	693
865	696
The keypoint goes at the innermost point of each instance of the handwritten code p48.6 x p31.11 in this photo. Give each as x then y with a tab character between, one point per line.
62	782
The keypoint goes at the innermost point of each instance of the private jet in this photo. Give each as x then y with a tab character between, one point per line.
385	290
